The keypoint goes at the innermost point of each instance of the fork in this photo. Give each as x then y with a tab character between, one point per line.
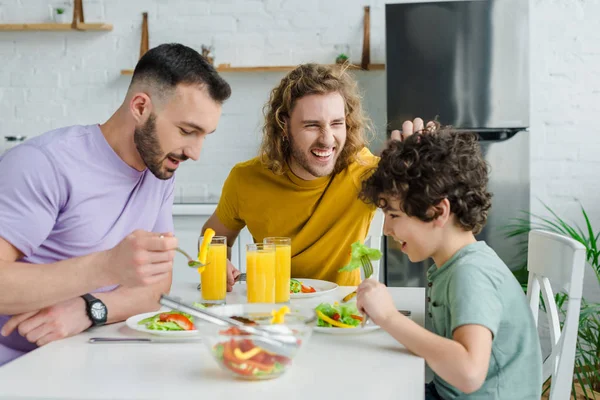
367	268
191	262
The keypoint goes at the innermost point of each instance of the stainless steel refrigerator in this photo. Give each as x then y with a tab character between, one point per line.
466	63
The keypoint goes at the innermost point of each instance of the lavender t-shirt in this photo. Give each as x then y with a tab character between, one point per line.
67	194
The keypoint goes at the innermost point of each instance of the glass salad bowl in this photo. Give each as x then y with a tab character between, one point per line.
247	356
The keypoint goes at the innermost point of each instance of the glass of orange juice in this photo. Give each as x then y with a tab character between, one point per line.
260	272
213	280
283	267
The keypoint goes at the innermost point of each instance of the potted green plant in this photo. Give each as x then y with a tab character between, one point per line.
342	53
60	15
586	381
341	58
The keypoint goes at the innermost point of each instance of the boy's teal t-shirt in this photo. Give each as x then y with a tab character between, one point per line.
475	287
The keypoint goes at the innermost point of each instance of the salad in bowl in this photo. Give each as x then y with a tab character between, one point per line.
241	354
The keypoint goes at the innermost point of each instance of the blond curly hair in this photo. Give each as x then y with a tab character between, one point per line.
305	80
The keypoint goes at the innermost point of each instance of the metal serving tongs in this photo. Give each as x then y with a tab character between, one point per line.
283	343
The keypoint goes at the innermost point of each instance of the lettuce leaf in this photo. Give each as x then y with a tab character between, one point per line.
295	286
154	322
163	326
327	309
359	250
344	310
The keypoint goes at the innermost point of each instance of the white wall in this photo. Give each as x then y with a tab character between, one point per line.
50	79
565	104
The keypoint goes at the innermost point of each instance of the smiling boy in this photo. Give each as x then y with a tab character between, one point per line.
484	345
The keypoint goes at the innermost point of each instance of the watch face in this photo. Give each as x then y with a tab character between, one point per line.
98	311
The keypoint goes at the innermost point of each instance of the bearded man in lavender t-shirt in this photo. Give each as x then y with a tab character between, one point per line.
87	209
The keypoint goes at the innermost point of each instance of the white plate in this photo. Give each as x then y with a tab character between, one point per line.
132	322
320	286
347	331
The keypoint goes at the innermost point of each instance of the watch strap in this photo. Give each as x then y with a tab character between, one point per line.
90	301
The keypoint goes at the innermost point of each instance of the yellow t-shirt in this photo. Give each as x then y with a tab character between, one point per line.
323	217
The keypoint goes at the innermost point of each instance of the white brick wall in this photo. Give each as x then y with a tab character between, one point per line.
51	79
565	103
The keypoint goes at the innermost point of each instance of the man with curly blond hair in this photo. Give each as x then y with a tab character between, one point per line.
484	344
305	182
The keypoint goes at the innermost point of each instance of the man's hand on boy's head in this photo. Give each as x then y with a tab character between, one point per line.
410	127
373	299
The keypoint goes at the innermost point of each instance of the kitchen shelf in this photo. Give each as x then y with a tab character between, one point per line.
275	68
51	26
365	64
77	23
282	68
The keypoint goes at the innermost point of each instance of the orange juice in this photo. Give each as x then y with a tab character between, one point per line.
283	266
260	273
283	256
214	277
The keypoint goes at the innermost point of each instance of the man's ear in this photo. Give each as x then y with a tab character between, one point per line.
140	107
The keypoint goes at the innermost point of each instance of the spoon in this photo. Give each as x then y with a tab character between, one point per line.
191	262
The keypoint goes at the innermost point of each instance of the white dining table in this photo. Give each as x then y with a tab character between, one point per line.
367	366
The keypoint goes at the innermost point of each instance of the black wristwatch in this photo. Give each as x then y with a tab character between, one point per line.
96	309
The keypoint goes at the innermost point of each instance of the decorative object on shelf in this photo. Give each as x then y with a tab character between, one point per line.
366	51
145	41
206	53
60	15
77	14
342	52
341	58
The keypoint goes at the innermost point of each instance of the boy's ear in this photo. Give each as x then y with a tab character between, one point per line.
443	211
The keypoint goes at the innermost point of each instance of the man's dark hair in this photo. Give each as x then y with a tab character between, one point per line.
172	64
426	168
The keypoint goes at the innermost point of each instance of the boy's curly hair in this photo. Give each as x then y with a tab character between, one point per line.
307	79
426	168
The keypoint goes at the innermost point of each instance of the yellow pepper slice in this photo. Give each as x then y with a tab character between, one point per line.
247	355
348	297
279	315
203	251
333	321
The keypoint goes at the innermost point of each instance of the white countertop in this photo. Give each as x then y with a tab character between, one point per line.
193	209
350	367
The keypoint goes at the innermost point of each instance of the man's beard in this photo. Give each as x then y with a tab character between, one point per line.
302	159
148	146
